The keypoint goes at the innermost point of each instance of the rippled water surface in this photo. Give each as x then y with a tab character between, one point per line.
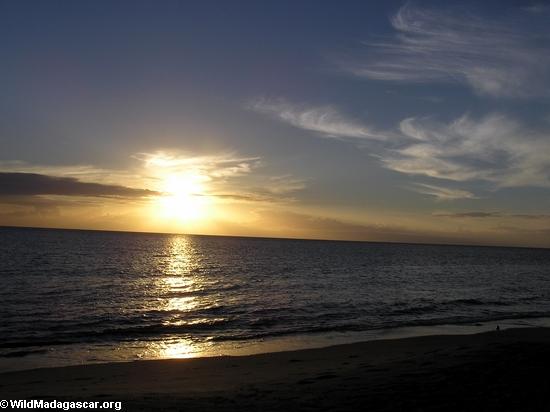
82	296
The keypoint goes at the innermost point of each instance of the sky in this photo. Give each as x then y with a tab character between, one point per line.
399	121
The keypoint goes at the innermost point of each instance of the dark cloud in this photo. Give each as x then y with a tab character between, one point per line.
30	184
491	215
533	217
469	214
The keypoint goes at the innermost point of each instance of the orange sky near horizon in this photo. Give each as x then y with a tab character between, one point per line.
227	195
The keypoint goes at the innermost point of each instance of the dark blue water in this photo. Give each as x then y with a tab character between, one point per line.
95	296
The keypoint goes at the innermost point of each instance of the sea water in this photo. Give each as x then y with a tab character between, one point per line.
70	297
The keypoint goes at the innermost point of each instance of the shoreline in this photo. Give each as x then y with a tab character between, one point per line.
73	354
424	371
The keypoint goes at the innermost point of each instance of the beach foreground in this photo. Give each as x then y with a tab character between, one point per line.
506	370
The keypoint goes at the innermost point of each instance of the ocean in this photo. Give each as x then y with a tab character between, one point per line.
72	297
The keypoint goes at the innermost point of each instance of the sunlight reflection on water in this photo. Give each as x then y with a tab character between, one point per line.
176	287
173	349
178	282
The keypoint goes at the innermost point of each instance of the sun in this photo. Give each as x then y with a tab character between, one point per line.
184	197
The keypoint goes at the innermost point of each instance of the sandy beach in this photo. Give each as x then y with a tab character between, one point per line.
505	370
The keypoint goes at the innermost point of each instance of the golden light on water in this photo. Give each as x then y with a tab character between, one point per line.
178	282
180	350
175	288
168	349
178	289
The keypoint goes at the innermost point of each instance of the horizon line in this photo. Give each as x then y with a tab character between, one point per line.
274	237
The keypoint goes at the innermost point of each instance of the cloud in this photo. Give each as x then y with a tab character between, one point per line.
86	173
442	193
31	184
537	8
219	165
495	58
241	197
326	120
275	189
494	149
226	176
482	215
530	217
285	184
469	214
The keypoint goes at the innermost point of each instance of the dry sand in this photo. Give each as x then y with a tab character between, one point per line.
506	370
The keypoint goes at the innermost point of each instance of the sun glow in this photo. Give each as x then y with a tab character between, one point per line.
184	197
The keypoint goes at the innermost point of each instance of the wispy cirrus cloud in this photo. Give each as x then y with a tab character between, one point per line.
325	120
495	58
442	193
216	165
493	148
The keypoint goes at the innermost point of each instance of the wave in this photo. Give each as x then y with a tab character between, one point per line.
120	333
362	327
224	330
22	353
199	292
443	306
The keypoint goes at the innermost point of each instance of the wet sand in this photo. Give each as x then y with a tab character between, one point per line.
507	370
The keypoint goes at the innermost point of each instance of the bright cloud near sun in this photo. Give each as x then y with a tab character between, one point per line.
198	192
